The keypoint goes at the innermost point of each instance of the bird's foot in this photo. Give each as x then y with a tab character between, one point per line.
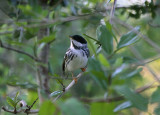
64	88
83	69
75	79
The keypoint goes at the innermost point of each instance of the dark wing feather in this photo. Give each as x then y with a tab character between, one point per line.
64	64
65	60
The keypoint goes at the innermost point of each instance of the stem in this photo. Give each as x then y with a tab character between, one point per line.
18	51
109	57
92	39
112	11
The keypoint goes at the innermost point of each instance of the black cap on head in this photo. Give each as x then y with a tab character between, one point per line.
79	38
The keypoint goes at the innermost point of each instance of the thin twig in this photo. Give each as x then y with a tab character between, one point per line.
153	25
28	110
138	56
69	86
29	107
92	39
110	56
18	51
108	100
112	11
33	104
19	111
150	60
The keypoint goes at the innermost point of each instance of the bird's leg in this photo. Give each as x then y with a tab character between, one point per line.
83	69
74	78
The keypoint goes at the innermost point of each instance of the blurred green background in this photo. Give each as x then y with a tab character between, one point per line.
122	77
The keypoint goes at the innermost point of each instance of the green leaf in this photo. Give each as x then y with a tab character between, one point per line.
16	97
136	71
94	65
30	33
109	27
102	108
122	106
118	62
136	99
11	102
47	108
73	107
55	93
129	38
16	33
105	38
130	73
47	39
103	60
31	97
100	78
27	10
120	70
156	96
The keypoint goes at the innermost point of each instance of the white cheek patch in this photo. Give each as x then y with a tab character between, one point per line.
76	43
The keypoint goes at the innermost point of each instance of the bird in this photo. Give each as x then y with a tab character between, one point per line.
76	57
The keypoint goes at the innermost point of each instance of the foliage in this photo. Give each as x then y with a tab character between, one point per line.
122	65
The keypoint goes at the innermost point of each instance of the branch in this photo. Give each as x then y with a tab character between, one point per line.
69	86
108	100
118	98
6	32
44	56
18	51
153	25
19	111
29	107
28	110
150	60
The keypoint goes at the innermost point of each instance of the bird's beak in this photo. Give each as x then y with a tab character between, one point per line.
70	37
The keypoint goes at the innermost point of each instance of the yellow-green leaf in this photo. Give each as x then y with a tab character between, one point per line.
47	39
11	102
103	60
105	38
47	108
129	38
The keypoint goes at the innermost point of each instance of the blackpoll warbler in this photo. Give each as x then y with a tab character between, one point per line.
76	56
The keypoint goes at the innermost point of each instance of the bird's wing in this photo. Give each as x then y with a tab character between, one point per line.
64	63
65	60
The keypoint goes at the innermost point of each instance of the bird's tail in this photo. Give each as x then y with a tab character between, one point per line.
64	75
